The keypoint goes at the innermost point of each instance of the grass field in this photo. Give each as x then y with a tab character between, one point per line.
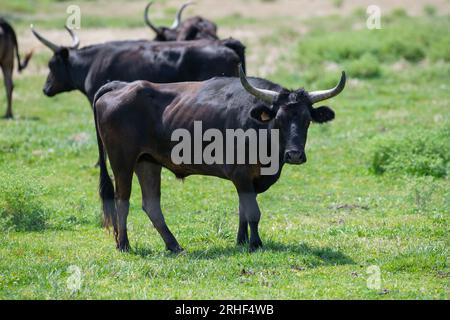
375	190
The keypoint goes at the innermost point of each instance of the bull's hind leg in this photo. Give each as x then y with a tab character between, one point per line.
123	192
7	69
149	175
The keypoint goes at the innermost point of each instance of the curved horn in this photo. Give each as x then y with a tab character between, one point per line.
266	95
316	96
147	20
75	39
177	21
46	42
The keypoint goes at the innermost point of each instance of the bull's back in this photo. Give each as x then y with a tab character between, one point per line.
162	64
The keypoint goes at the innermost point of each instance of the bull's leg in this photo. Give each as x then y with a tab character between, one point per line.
149	176
7	69
123	192
242	236
248	208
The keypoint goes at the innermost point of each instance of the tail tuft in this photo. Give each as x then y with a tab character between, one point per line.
106	187
24	63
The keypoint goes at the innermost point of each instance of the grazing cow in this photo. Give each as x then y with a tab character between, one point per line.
135	123
8	45
194	28
88	68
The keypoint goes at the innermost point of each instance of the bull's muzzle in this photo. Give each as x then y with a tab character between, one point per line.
48	92
294	157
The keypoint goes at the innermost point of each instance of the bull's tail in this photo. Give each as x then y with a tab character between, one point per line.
24	63
21	64
106	187
237	47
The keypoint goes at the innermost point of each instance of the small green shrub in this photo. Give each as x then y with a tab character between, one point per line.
412	39
367	66
440	49
399	13
338	3
21	208
430	10
422	153
404	47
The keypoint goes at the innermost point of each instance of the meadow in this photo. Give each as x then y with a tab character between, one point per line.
374	194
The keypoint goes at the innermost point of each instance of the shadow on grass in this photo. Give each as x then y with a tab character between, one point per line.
22	118
326	255
316	255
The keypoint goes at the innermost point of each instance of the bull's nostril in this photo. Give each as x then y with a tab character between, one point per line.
295	157
303	158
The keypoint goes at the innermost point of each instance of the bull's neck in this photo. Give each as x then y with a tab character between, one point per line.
78	70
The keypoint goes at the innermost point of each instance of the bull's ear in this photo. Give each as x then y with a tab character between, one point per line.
64	53
322	114
262	114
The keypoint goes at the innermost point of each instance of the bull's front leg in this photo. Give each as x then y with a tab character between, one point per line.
242	236
249	209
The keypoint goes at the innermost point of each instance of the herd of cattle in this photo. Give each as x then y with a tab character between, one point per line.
142	91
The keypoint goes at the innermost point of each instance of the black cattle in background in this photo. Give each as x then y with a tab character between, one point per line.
194	28
8	49
87	69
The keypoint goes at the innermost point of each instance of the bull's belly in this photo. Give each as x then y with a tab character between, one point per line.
183	170
233	172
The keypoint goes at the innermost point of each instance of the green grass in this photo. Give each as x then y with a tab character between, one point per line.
323	224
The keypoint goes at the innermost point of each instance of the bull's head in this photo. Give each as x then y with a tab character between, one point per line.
194	28
59	79
292	112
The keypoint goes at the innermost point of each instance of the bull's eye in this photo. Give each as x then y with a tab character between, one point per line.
265	116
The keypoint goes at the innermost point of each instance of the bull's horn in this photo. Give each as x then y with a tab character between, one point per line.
266	95
75	39
46	42
316	96
147	19
177	21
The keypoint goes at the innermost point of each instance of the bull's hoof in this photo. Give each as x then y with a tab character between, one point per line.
242	242
175	249
255	246
242	239
123	247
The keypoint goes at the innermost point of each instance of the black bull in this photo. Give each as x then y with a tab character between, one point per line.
135	121
194	28
88	68
9	47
